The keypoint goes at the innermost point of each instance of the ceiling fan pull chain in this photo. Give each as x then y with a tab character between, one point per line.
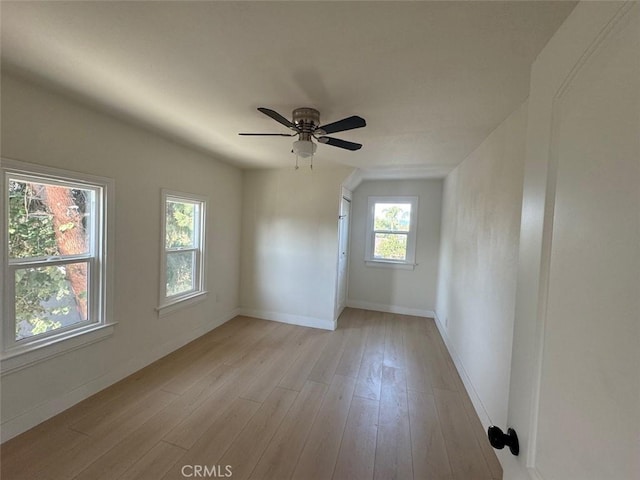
297	162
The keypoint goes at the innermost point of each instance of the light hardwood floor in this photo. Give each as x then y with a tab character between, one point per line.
379	398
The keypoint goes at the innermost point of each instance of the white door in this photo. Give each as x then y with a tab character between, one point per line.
343	252
575	384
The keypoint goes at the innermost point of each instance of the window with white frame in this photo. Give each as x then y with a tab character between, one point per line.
391	230
55	255
183	233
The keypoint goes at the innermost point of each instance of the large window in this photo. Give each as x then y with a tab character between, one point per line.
391	230
183	232
55	255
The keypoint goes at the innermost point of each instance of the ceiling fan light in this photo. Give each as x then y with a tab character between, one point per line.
304	148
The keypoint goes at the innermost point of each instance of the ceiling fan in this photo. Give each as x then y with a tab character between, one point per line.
305	124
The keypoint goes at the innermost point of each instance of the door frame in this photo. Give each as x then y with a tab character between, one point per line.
345	195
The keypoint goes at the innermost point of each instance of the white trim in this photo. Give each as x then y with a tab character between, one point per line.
346	193
345	196
292	319
380	307
100	287
411	234
181	302
53	173
390	264
44	411
19	358
504	456
166	304
466	380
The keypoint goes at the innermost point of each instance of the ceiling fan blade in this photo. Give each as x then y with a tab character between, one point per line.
336	142
348	123
277	117
268	134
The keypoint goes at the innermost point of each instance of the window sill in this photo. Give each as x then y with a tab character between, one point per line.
28	355
389	264
182	302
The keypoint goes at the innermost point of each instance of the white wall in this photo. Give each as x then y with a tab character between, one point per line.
410	292
290	244
44	128
478	264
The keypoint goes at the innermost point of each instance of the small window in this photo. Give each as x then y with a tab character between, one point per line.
55	254
391	230
183	228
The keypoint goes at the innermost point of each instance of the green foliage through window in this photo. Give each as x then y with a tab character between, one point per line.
180	266
31	232
392	217
180	224
182	244
392	222
47	221
390	246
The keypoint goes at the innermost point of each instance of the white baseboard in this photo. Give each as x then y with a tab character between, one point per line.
466	380
303	321
50	408
379	307
512	468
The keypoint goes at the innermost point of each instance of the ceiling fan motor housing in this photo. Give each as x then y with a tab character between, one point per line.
306	120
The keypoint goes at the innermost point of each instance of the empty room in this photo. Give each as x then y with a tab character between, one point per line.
320	240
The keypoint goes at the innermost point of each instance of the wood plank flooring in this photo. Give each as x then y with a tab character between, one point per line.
379	398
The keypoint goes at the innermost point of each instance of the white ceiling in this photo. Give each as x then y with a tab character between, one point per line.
432	79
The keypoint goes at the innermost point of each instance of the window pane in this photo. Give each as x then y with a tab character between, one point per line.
48	220
181	224
390	246
180	272
395	217
49	298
